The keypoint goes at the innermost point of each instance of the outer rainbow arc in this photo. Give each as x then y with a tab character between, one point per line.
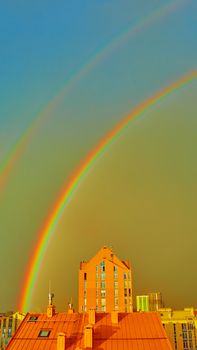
76	178
41	117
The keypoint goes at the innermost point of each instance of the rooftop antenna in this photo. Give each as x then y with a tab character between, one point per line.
51	295
49	286
70	304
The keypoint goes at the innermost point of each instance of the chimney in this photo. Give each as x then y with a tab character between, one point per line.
91	316
61	341
88	333
70	307
114	317
51	307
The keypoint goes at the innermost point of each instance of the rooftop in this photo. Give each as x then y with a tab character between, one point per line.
132	331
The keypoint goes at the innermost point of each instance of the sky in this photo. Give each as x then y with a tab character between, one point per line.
76	59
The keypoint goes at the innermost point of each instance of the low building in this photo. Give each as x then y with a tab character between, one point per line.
181	327
91	330
9	323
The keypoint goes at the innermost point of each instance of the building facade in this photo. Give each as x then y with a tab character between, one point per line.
155	301
105	283
180	327
9	323
142	303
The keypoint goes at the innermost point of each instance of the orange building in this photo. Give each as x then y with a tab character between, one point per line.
105	283
80	331
9	322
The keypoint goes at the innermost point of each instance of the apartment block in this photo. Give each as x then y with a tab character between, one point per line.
180	327
105	283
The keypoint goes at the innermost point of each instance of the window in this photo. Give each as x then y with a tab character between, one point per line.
102	266
125	301
103	276
125	276
115	284
125	292
103	301
129	291
96	268
115	276
44	333
102	285
115	272
116	292
85	276
103	308
116	301
184	327
103	293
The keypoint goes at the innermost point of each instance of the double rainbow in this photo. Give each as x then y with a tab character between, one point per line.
41	118
54	217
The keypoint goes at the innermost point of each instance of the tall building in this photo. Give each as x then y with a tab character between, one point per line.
142	302
180	327
9	323
155	301
105	283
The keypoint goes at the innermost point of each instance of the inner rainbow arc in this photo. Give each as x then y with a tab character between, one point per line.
54	217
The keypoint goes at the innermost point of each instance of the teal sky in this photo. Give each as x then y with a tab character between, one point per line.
140	197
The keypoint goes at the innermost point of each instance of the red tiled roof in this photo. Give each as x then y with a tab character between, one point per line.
134	331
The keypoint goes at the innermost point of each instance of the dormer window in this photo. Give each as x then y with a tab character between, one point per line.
33	318
44	333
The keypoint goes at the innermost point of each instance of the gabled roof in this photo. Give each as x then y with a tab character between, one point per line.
106	253
134	331
27	335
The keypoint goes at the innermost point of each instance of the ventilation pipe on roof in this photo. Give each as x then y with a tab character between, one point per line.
91	316
51	307
88	334
61	341
114	317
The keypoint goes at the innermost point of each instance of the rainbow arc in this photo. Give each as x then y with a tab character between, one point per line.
77	177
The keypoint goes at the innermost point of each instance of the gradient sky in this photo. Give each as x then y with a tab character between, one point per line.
140	197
